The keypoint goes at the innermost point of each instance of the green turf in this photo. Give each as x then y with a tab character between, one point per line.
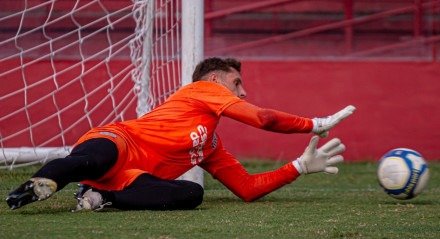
349	205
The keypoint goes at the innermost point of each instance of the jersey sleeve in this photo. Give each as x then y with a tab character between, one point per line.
249	187
268	119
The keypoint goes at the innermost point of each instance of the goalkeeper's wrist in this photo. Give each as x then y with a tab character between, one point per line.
297	166
316	125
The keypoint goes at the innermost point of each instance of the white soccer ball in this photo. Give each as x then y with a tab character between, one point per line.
403	173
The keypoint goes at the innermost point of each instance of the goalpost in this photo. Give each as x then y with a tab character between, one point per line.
67	66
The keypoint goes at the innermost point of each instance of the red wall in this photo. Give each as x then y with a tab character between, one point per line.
397	106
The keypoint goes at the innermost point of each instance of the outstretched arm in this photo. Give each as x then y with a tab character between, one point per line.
249	187
268	119
277	121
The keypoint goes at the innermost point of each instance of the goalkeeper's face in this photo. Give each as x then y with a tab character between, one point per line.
232	81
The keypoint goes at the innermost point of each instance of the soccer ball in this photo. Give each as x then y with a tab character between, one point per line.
403	173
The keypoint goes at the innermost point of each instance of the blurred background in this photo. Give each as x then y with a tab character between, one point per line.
312	58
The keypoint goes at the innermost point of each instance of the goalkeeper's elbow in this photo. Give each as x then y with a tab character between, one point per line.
248	197
267	119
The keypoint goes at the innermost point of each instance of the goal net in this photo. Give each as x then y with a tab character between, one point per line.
68	66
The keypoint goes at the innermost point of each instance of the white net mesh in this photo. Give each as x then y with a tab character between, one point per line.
165	49
67	66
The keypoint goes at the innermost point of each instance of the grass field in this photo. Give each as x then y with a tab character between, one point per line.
349	205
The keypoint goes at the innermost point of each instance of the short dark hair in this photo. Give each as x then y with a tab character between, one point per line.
215	64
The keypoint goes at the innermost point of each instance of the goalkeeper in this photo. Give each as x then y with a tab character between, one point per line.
132	164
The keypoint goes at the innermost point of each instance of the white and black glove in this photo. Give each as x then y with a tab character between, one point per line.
321	126
323	159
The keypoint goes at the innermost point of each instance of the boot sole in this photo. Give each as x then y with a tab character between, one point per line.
36	189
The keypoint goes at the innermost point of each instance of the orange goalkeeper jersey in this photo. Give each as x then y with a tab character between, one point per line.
179	134
170	139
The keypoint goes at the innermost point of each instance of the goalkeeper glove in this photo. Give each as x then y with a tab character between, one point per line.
323	159
321	126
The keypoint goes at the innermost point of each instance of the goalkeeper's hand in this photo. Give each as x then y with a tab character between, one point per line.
321	126
323	159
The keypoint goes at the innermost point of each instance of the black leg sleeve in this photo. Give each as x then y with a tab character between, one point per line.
151	193
88	160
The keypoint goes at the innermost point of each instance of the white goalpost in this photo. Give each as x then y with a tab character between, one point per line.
67	66
192	53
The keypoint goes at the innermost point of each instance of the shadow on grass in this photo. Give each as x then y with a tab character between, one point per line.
409	202
37	211
267	199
